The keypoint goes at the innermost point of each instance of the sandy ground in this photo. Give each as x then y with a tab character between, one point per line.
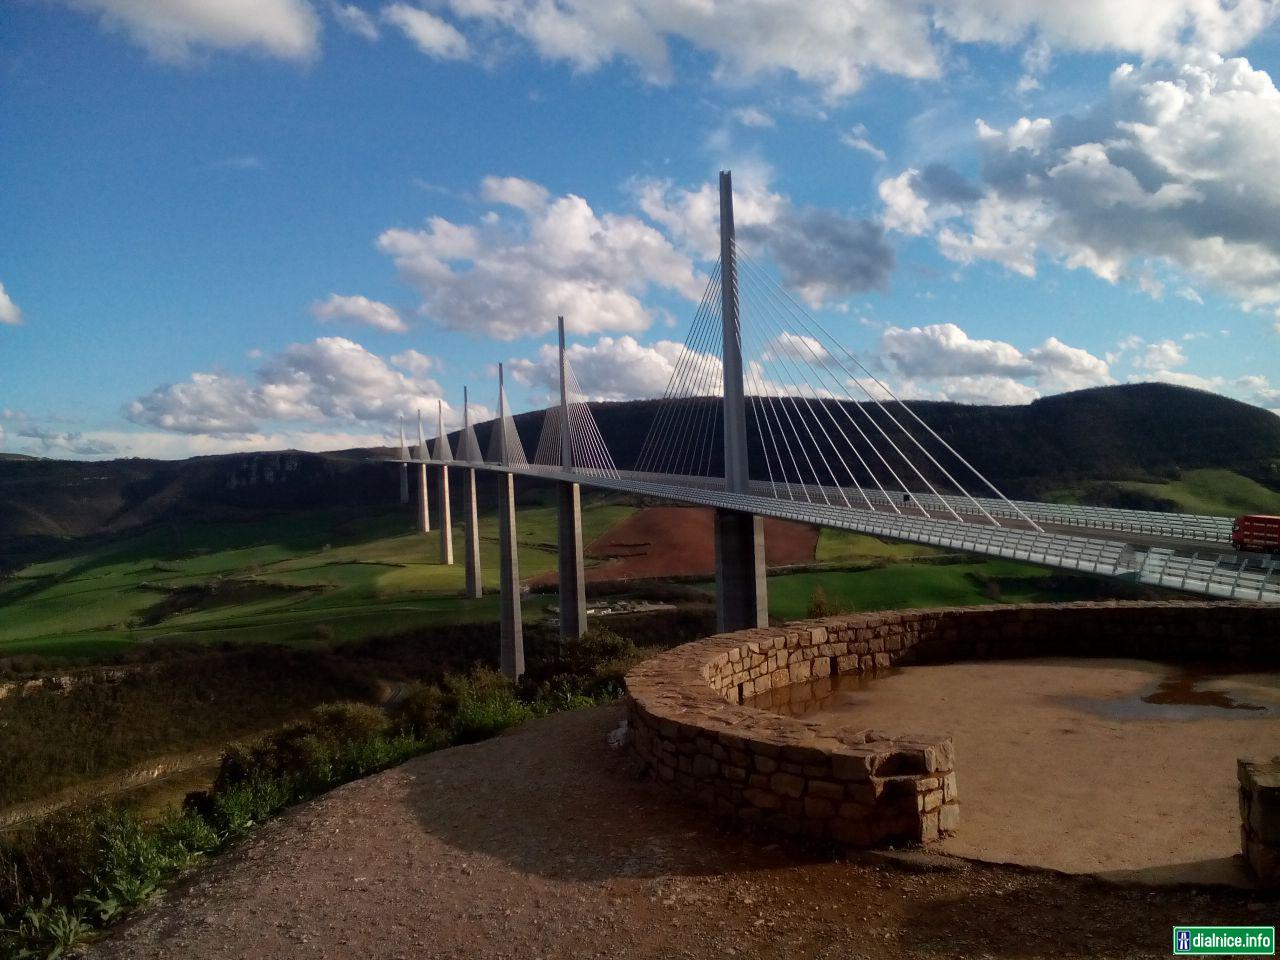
1061	765
679	541
543	843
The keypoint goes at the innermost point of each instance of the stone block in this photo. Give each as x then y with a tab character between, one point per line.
786	784
949	817
819	808
704	767
853	766
762	799
826	788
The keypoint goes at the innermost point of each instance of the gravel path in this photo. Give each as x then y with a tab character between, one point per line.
543	843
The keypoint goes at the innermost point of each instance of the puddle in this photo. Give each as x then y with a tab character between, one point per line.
1190	694
836	693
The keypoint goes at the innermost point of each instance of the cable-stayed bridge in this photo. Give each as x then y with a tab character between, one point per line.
768	415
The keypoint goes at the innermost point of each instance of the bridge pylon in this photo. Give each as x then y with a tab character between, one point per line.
469	451
742	599
512	640
572	578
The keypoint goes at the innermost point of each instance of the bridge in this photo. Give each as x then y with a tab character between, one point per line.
830	444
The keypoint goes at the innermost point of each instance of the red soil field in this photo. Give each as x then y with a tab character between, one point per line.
678	542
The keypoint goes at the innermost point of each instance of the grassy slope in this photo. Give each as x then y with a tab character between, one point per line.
375	578
844	545
1218	492
1214	491
901	586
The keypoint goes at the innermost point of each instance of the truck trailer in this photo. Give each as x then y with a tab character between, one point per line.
1257	533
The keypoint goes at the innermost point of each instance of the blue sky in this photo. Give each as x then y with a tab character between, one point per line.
286	223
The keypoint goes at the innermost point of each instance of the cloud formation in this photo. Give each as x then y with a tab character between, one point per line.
835	46
331	379
9	311
176	31
514	272
371	313
610	369
433	36
1174	170
941	361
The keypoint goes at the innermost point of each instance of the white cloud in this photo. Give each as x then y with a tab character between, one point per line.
176	30
941	361
357	309
835	46
9	311
858	138
1172	172
614	369
430	34
752	117
353	19
331	379
514	192
1259	390
1035	62
1162	355
511	276
414	362
1149	27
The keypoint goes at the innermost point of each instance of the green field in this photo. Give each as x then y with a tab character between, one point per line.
907	585
838	546
333	575
1217	492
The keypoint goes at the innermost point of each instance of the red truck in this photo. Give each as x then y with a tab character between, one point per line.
1256	532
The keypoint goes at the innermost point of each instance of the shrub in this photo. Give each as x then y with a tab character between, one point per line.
819	605
340	722
484	703
420	711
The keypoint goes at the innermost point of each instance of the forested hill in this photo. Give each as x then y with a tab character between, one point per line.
1135	432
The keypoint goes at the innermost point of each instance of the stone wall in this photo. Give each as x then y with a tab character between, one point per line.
864	788
1260	817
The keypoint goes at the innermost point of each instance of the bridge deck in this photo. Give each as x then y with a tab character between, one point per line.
1180	551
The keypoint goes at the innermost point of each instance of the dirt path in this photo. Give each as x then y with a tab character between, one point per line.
543	844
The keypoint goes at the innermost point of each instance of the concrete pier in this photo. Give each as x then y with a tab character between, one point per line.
471	531
446	518
573	583
404	467
742	599
512	652
424	513
444	455
424	495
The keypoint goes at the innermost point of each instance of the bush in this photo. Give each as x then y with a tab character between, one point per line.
420	711
819	605
484	703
